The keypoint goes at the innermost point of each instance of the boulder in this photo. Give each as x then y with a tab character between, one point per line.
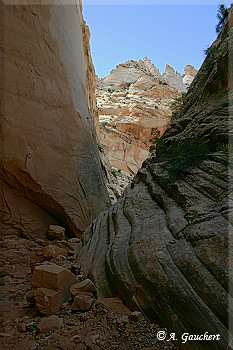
30	297
123	320
52	276
135	316
84	286
51	285
83	302
48	301
51	251
50	323
22	327
47	253
56	232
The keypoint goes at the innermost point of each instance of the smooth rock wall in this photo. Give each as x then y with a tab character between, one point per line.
49	154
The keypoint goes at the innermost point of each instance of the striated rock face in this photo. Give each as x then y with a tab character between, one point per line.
50	167
134	98
164	245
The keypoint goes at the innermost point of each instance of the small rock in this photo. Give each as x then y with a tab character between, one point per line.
46	253
22	327
41	242
76	339
81	278
83	317
25	319
123	319
30	297
84	286
95	337
61	260
56	232
51	251
74	240
82	302
50	323
135	316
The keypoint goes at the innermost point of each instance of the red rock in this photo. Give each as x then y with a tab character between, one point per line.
49	108
35	259
49	324
52	283
83	318
84	286
48	301
56	232
123	319
53	277
30	297
51	251
82	302
22	327
135	316
47	253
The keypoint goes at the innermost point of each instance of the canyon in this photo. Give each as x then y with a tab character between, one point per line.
75	271
166	245
131	100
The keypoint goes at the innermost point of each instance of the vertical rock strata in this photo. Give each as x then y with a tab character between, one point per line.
50	167
164	245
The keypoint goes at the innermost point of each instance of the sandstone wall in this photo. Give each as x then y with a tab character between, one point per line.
50	166
166	245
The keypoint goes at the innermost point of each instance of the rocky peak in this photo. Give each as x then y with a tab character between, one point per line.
174	79
190	73
150	67
131	100
190	70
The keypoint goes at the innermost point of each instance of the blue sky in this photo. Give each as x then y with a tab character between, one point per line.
175	33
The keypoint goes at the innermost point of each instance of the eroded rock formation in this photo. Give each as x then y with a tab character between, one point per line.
131	100
50	166
164	245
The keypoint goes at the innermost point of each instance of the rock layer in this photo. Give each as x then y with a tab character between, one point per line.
50	165
164	245
131	100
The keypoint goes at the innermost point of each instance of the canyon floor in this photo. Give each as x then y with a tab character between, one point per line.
107	325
